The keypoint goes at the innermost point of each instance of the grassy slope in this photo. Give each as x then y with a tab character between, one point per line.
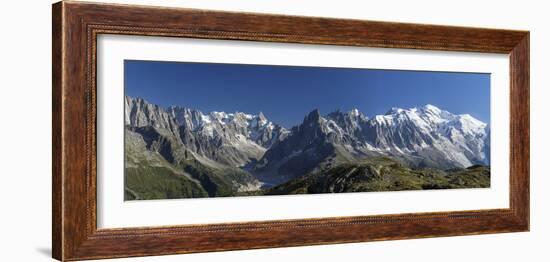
149	175
159	183
382	174
197	180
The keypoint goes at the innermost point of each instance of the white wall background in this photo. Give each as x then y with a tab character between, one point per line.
25	136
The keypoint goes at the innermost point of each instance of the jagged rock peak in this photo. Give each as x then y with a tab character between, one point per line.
426	108
314	115
261	116
138	113
394	110
354	112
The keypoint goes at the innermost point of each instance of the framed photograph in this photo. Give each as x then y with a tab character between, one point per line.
181	130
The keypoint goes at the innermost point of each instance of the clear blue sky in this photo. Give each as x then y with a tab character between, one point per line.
285	94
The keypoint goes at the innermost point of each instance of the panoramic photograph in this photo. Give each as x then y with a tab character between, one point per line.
198	130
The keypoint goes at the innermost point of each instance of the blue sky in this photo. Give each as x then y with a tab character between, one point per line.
285	94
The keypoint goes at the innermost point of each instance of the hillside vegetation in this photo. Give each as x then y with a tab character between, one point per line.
382	174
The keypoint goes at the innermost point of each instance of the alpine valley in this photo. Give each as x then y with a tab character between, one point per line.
179	152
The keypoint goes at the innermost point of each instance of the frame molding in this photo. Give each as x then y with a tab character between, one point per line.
75	27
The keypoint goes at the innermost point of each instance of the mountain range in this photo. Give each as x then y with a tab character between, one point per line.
196	154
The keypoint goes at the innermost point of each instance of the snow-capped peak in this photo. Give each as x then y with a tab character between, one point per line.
395	110
428	116
473	120
431	108
467	125
413	134
220	116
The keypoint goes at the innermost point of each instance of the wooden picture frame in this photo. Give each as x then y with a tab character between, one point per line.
76	26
